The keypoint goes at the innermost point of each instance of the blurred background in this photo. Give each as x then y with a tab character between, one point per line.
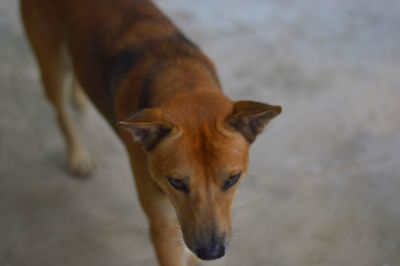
324	182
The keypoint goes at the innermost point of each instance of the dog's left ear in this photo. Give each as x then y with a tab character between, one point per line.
146	127
249	118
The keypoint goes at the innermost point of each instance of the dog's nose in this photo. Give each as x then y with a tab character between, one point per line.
211	252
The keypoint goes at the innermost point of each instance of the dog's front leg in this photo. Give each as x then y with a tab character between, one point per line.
167	243
193	260
164	229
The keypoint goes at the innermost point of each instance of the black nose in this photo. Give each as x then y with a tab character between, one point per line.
211	252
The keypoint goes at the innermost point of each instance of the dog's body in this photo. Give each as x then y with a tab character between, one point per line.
187	142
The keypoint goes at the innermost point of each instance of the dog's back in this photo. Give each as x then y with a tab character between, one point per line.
106	41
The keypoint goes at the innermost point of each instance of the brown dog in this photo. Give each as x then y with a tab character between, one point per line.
187	142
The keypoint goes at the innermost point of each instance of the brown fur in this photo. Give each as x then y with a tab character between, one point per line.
143	74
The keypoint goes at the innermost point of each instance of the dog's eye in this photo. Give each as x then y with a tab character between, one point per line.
178	184
231	181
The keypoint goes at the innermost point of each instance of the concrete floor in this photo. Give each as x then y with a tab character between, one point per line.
324	182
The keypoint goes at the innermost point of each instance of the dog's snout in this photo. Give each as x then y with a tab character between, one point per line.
212	251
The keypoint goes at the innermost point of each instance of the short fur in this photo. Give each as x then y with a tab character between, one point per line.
185	139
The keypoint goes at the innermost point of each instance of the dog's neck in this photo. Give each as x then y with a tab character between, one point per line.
181	76
163	82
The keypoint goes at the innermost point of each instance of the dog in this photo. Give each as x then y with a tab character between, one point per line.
188	143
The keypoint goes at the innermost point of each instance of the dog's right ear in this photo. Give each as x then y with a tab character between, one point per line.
146	127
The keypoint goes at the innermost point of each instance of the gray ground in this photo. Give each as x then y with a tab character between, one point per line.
324	180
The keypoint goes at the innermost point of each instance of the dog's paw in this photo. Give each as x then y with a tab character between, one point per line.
80	164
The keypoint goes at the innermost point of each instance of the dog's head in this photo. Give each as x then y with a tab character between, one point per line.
197	146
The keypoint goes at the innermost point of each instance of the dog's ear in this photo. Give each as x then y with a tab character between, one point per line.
147	127
249	118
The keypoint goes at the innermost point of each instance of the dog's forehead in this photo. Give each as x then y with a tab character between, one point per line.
224	152
204	153
202	142
198	110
